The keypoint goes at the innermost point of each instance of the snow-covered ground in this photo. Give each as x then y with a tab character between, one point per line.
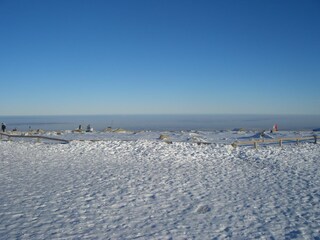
223	136
145	188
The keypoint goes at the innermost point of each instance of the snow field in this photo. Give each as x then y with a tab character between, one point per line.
149	189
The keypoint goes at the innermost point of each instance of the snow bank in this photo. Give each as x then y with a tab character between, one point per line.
225	137
150	189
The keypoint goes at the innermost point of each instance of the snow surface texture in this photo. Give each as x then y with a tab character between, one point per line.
149	189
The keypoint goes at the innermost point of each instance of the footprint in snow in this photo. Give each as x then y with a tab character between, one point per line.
203	209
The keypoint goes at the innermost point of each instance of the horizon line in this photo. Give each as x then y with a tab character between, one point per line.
158	114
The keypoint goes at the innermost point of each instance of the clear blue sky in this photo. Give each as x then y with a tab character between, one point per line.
159	56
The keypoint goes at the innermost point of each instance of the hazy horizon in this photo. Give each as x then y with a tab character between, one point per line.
178	122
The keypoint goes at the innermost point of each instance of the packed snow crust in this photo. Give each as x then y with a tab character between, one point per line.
149	189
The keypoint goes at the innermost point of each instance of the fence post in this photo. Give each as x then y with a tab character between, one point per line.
255	145
38	140
297	141
280	142
315	139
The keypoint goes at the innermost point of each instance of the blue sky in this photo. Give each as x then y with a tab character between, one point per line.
159	57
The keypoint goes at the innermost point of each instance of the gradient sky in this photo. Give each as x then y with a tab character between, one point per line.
159	57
